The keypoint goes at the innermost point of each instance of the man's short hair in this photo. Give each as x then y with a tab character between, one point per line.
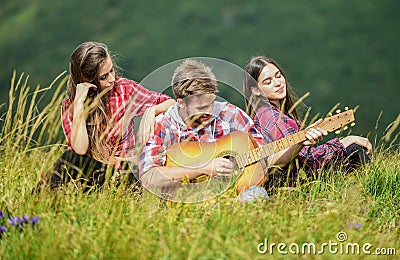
193	77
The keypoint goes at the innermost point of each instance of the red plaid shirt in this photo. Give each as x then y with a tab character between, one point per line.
123	92
275	125
169	131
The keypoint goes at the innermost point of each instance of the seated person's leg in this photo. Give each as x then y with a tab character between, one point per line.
356	157
73	166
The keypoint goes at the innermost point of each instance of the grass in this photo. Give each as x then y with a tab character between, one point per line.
120	223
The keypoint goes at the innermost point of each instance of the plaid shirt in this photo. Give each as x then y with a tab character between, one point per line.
275	125
123	92
168	131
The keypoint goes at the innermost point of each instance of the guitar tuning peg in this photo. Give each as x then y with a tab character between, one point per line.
353	124
330	114
345	128
338	111
337	132
346	108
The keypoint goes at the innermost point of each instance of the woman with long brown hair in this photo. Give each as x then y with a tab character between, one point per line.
98	117
270	102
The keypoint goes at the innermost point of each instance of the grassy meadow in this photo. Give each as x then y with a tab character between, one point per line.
121	223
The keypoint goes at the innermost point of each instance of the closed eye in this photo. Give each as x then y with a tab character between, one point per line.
267	81
105	76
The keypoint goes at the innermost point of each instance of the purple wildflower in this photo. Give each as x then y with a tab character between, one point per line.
351	224
34	220
25	219
3	229
355	225
2	214
13	221
20	222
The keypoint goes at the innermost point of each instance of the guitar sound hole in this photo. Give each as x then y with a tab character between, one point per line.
231	156
233	160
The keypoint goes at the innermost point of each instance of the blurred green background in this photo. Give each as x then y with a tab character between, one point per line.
340	51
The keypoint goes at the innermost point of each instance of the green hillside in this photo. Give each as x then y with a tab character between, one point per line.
340	51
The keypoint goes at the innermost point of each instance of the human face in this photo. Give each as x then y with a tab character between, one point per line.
107	74
196	109
272	83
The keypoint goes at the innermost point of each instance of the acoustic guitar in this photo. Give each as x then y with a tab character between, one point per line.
249	165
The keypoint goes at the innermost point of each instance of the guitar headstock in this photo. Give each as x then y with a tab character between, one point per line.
338	121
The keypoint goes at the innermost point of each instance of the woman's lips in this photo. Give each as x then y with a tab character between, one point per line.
280	90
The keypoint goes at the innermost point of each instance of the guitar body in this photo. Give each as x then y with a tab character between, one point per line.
229	146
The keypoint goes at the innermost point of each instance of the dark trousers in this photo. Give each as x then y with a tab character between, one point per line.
355	157
86	171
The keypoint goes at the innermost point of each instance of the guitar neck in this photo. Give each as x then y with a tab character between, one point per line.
271	148
330	124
